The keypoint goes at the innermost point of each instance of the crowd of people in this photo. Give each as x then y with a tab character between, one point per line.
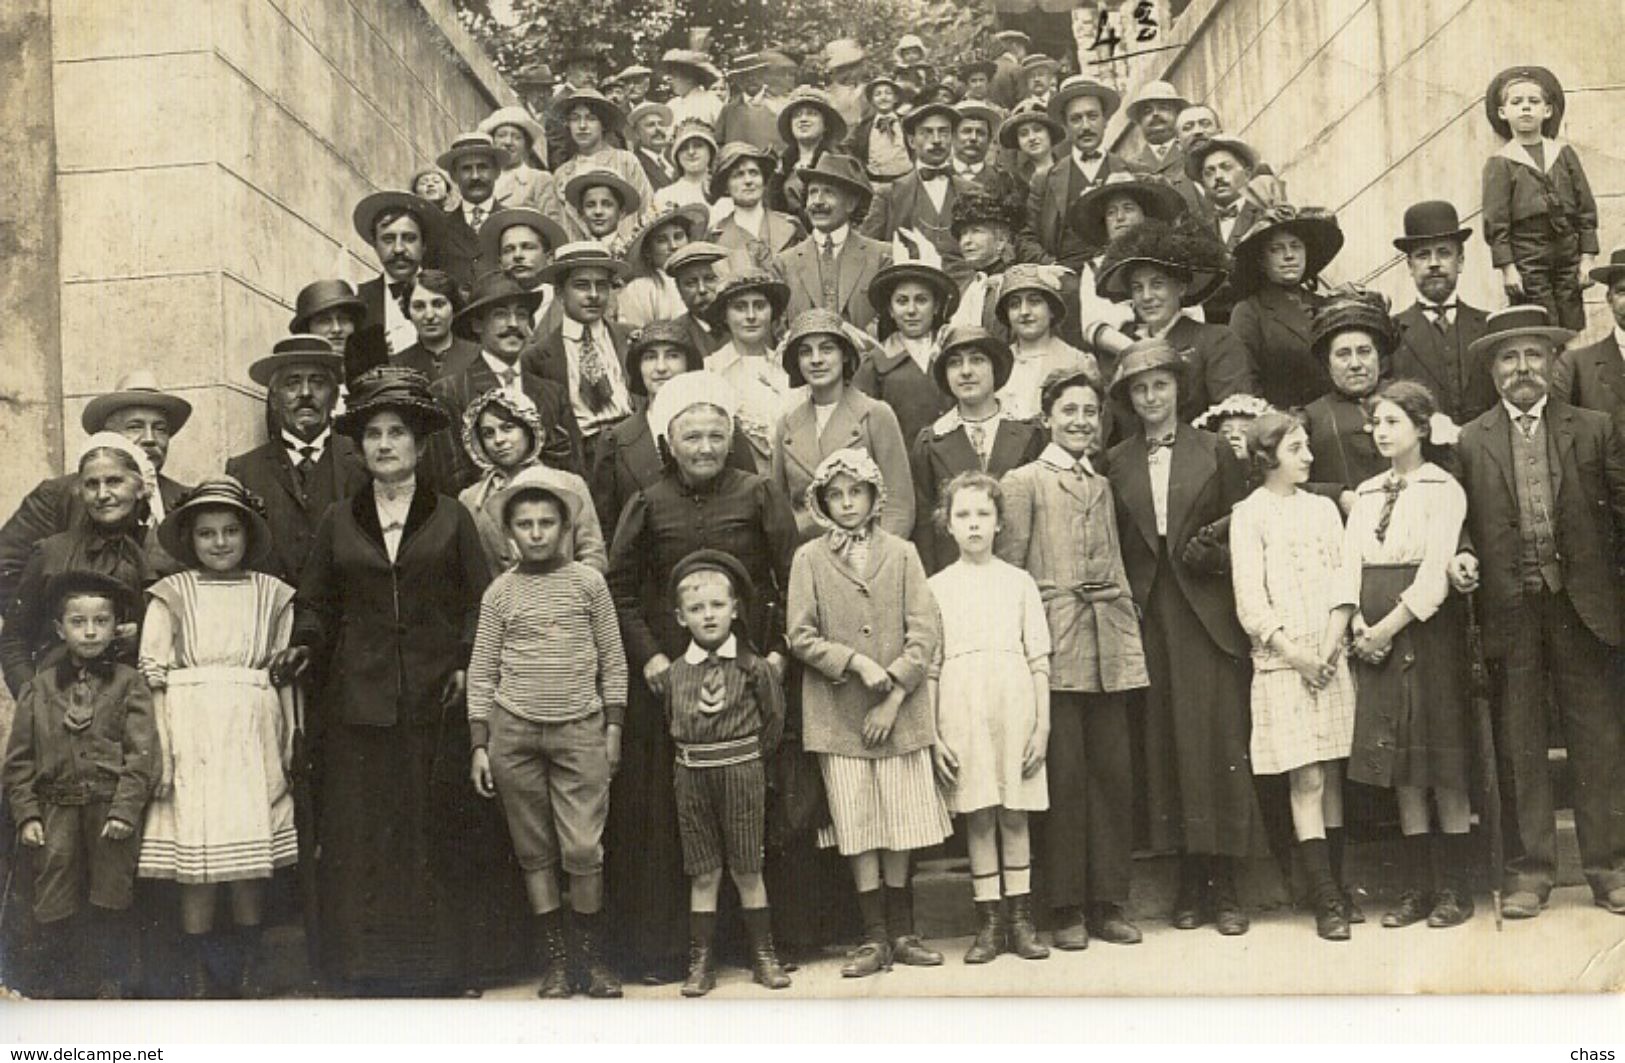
749	480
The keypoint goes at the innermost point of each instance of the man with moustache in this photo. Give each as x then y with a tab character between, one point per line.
650	125
693	268
832	268
304	466
498	316
1436	332
521	242
1594	376
922	201
433	304
473	161
402	229
1545	486
1154	110
974	124
1083	105
1221	167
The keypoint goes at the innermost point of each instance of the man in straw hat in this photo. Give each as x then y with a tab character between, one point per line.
650	124
303	467
1009	84
1083	105
1153	111
748	116
473	161
1594	376
520	242
1435	332
832	268
402	229
635	81
1041	72
1545	486
521	139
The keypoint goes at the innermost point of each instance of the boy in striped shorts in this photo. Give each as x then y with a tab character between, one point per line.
727	713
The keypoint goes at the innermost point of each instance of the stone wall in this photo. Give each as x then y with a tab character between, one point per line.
1366	106
207	157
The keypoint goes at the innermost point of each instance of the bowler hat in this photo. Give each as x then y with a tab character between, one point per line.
1434	219
490	288
842	171
139	387
959	337
299	349
1142	356
394	388
1516	321
470	145
1080	85
1549	86
1155	92
367	212
662	331
320	296
491	230
175	533
1607	275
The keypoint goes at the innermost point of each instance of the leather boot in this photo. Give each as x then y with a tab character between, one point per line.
1414	903
906	946
1228	918
1330	923
873	954
702	974
1071	931
1190	901
114	947
1453	903
1109	923
597	980
195	981
553	956
764	959
248	985
1335	840
1023	933
989	941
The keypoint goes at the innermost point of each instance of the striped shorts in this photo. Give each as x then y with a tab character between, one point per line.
720	816
887	803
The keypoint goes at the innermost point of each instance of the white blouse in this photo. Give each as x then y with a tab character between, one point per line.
1424	529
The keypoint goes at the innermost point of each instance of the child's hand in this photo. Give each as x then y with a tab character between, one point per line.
479	773
775	661
1370	647
879	721
33	833
875	679
612	746
654	673
1586	263
946	763
452	692
1314	671
116	830
1032	758
1512	281
166	776
289	664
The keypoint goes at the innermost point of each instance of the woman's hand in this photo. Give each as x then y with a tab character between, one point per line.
1463	573
1370	646
32	834
875	679
479	773
879	721
452	692
612	747
946	763
1032	758
1315	671
655	673
289	664
166	776
116	830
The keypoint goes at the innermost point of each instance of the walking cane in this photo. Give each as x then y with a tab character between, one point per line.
1486	754
304	814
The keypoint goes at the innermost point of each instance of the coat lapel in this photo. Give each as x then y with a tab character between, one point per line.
1136	488
1560	442
1284	311
850	267
1192	466
844	428
806	269
1499	444
1009	445
801	437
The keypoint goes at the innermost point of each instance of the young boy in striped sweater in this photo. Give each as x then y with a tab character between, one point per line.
546	702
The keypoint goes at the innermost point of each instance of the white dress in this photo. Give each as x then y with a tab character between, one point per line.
1286	560
994	637
230	813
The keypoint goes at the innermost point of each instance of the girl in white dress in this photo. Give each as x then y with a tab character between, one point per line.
990	685
1286	558
223	810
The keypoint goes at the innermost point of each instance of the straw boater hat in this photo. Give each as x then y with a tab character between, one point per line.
977	111
1142	356
1195	254
1318	229
582	254
1432	220
1155	92
633	72
577	187
1516	321
517	117
429	217
962	336
490	288
694	218
732	154
977	207
929	109
693	129
1079	85
217	491
393	388
470	145
747	63
608	113
808	96
139	387
86	583
1156	197
818	321
690	63
753	279
299	349
842	171
1238	405
1352	308
1549	85
1005	38
648	107
669	331
320	296
1031	277
1028	112
842	52
539	479
550	231
699	388
1610	272
1198	152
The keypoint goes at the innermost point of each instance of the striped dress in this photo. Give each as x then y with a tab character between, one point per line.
230	814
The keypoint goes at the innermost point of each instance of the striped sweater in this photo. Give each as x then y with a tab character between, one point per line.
547	649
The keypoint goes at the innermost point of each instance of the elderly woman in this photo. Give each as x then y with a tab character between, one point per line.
809	125
747	308
820	356
1352	338
519	137
698	501
418	887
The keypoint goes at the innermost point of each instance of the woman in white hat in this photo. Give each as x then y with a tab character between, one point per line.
693	150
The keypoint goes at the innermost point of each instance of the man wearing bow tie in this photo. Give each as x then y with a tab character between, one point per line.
1084	106
401	228
923	201
1435	334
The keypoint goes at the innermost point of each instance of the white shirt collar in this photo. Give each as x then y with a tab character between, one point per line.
489	206
1058	457
969	169
1537	411
498	366
573	329
729	650
837	235
294	444
1160	150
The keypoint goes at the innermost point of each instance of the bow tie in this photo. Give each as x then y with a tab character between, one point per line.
970	169
1154	445
932	173
1087	156
1230	213
886	123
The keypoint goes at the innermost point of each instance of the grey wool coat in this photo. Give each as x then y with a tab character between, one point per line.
887	613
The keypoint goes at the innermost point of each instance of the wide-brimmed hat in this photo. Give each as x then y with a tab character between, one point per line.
695	219
1079	85
709	560
843	51
302	348
1008	37
84	582
1237	405
1434	219
1195	254
887	280
747	280
928	109
517	117
701	387
139	387
818	321
1351	307
1515	321
490	288
393	388
429	217
582	254
695	64
776	59
693	129
937	92
1318	229
809	96
1031	277
538	478
663	331
1028	112
879	79
1549	85
958	337
977	66
1198	152
978	111
1611	271
470	145
1155	92
1156	197
608	113
218	490
320	296
841	170
977	207
577	186
1142	356
551	232
732	154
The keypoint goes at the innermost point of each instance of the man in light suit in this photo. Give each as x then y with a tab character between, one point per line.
832	268
1434	334
1083	105
1545	485
1594	376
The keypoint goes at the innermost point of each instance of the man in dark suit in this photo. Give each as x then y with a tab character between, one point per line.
832	268
404	231
1153	111
1083	105
1594	376
304	466
432	306
473	161
1545	486
693	267
1222	166
1008	86
650	125
1434	334
922	200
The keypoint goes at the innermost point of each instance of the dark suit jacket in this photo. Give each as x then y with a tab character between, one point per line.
292	509
935	458
1205	481
1592	377
1276	331
860	259
458	357
704	341
1219	366
545	356
904	204
363	357
1588	476
1008	86
658	176
459	253
1170	168
1052	192
450	466
1461	382
1218	306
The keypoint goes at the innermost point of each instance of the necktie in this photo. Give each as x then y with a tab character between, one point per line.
1526	424
476	217
507	377
1391	488
978	442
306	463
932	173
1079	471
595	387
1440	315
713	686
826	270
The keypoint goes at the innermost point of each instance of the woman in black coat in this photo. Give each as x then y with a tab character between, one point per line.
1274	278
418	886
